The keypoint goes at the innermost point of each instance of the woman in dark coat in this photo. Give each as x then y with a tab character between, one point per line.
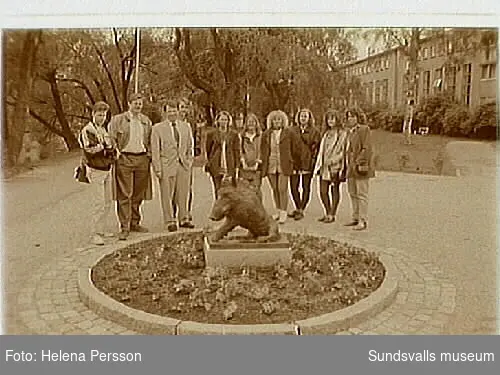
301	178
223	151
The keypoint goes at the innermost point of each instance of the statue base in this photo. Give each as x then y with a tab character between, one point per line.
237	251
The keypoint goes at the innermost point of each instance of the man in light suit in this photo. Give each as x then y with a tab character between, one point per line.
172	154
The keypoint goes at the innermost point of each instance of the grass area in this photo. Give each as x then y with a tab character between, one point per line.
423	156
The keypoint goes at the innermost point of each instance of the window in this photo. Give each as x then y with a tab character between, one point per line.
433	51
427	82
490	52
488	71
450	47
377	92
426	53
467	83
387	63
440	48
384	91
369	93
451	80
438	80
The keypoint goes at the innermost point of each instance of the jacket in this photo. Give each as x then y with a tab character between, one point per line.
290	151
310	140
360	152
165	154
214	152
119	131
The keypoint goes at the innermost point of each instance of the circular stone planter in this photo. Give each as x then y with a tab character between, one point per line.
152	324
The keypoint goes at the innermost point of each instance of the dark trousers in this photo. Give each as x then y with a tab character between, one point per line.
326	189
303	181
217	182
132	175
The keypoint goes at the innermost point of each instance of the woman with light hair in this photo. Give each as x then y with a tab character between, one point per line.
223	151
280	150
310	138
250	153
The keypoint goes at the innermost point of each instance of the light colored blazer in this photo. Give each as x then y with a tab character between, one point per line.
119	130
164	151
338	155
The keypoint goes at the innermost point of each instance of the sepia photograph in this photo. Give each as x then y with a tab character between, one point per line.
250	181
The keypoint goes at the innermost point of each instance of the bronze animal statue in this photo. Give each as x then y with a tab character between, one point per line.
240	205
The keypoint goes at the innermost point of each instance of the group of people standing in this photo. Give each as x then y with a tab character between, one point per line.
289	156
133	148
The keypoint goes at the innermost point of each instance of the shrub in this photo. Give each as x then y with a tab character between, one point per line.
431	112
457	122
378	116
395	123
484	121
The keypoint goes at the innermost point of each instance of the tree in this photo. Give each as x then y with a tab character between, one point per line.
408	40
19	91
74	69
277	68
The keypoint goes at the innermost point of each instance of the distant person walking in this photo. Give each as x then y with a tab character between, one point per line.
360	168
131	132
331	164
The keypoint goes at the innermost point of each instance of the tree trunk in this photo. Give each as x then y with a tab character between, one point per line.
68	135
411	96
23	89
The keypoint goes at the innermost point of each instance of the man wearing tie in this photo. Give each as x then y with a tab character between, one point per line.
172	154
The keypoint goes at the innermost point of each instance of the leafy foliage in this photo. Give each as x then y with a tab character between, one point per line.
484	121
457	121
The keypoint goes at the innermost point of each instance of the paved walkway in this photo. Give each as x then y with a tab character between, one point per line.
440	230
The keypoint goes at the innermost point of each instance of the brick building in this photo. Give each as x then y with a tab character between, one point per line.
472	79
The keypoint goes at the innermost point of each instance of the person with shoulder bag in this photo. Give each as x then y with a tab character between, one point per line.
99	155
331	164
360	168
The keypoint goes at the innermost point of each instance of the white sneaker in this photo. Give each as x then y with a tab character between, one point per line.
97	240
276	216
283	216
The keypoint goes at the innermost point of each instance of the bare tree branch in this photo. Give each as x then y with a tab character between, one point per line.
81	85
110	77
45	123
187	64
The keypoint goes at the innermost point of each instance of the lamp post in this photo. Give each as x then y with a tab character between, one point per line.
137	55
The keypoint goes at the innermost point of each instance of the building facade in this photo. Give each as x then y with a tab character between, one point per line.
470	76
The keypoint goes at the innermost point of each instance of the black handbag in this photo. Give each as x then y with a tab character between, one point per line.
102	160
362	169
